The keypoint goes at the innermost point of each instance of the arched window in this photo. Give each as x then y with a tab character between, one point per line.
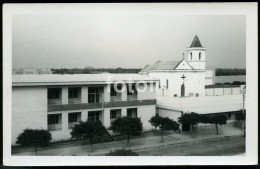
191	56
199	55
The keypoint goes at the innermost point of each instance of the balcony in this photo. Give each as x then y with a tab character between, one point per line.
74	95
54	122
54	96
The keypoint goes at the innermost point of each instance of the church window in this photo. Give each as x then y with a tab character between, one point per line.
199	55
191	56
167	83
175	95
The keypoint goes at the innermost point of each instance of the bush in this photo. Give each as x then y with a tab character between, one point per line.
122	152
34	137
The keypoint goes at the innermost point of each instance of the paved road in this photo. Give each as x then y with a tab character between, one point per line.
225	147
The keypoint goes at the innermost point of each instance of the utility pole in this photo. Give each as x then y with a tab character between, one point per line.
244	96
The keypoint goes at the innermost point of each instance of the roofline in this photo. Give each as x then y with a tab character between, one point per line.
17	84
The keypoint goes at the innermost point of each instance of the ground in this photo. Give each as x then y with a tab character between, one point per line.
220	147
230	141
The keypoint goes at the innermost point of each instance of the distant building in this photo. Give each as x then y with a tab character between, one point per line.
58	102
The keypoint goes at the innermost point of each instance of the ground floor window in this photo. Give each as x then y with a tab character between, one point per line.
54	121
74	118
132	112
93	115
115	113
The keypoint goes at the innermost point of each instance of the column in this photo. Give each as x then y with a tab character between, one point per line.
106	118
65	124
124	93
84	115
123	112
84	94
65	95
106	93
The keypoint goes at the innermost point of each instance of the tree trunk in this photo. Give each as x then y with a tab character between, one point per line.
128	136
217	128
162	136
90	140
191	128
102	141
35	149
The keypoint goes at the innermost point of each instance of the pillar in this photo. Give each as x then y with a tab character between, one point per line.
106	118
65	95
124	93
65	125
84	94
123	112
84	115
106	93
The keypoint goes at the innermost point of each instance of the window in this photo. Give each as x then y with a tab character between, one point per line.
131	90
175	95
54	93
93	94
167	83
199	55
53	118
74	92
190	94
73	117
115	113
160	84
93	116
191	56
113	91
197	94
132	112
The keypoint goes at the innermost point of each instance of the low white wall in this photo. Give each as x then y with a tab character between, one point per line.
174	115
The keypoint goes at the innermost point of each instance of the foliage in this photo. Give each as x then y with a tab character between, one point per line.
92	70
87	130
34	137
164	123
218	119
127	125
122	152
240	116
230	72
189	118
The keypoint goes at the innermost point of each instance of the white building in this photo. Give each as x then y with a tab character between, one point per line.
181	78
58	102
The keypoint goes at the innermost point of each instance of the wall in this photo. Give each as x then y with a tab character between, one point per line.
174	115
194	82
29	109
143	112
222	91
150	93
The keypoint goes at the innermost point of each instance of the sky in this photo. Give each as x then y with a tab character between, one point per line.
127	41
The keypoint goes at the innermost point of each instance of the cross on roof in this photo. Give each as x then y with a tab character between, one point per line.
183	77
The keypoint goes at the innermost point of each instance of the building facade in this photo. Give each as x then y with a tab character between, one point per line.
184	78
58	102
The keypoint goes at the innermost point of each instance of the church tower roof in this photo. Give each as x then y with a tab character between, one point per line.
196	43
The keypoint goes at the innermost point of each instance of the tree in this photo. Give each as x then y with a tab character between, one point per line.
127	125
34	137
218	119
189	118
164	123
122	152
87	130
241	117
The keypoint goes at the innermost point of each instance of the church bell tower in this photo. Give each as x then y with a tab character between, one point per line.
196	54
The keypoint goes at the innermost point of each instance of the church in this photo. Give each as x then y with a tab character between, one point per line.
186	86
183	78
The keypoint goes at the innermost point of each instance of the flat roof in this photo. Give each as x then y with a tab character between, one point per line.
203	104
77	79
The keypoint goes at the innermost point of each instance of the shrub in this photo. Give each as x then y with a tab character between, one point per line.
122	152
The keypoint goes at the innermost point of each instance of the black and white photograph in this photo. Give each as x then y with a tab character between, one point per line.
163	83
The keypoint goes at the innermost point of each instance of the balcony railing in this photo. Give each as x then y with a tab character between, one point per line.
116	98
54	126
74	100
132	97
54	101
